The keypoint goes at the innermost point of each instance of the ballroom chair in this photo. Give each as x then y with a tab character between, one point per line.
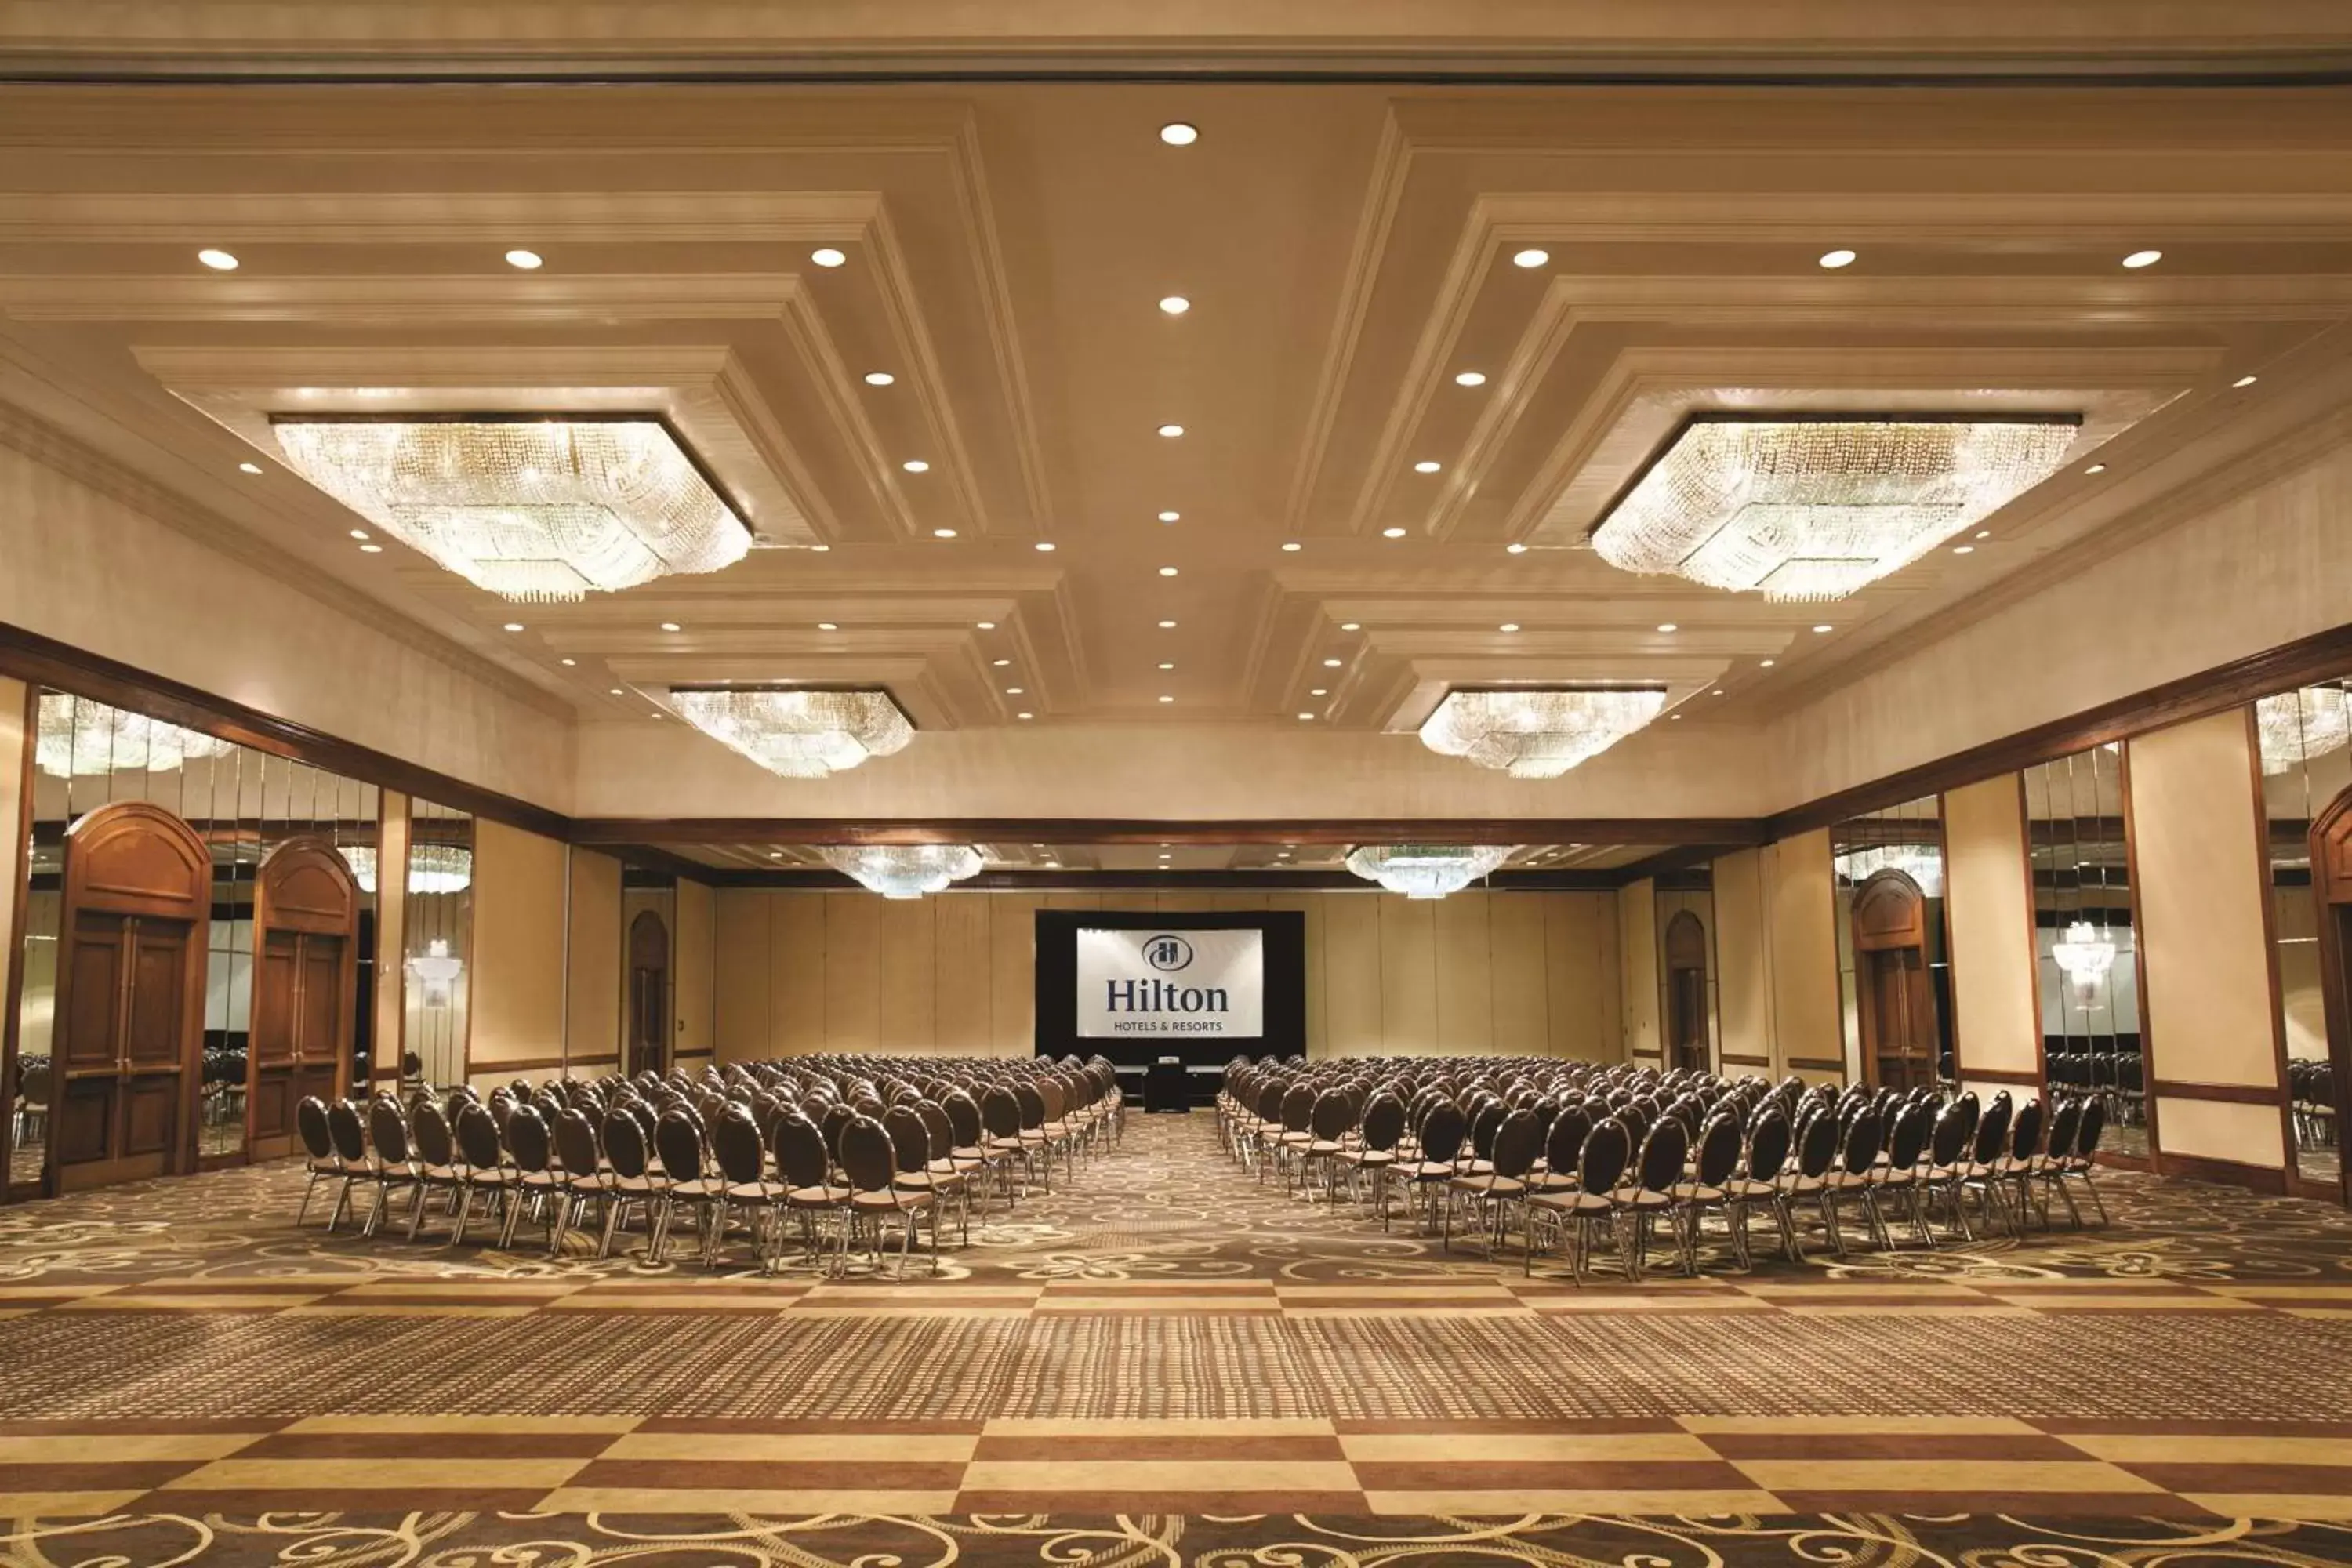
911	1145
1758	1180
1442	1133
2045	1170
537	1181
629	1179
1945	1172
1601	1168
1808	1174
438	1168
805	1168
1327	1123
1665	1150
349	1132
743	1185
394	1165
682	1183
2076	1163
2015	1168
1511	1154
319	1156
1715	1162
1374	1153
482	1168
869	1161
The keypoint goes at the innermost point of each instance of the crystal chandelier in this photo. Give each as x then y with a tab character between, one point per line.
904	870
1425	870
1796	507
2083	954
1532	732
1922	863
77	737
530	508
436	969
797	733
432	867
2295	726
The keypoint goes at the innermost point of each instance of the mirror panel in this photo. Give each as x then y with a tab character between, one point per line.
1894	963
439	948
2304	741
2085	957
1690	1027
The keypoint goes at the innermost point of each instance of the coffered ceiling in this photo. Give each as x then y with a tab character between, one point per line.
1429	335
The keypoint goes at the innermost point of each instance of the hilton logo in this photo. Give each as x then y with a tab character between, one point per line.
1166	952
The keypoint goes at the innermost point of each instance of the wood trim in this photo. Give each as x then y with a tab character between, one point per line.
2267	1179
1709	832
1817	1064
43	661
2000	1075
812	880
2155	1159
2198	696
525	1064
2225	1093
2284	1094
1746	1061
12	968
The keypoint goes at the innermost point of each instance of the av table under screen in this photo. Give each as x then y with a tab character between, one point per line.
1134	982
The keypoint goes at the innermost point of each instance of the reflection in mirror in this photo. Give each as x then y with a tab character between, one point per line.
2086	961
649	933
1893	975
243	803
1686	972
2305	740
439	948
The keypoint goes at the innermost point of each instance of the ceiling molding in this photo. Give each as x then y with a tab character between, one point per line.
1728	832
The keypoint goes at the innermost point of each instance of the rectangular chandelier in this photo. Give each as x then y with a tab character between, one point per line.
1797	506
797	732
534	508
1538	733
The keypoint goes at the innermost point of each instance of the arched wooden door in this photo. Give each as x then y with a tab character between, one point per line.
306	924
648	993
1892	995
129	1047
1687	1010
2331	880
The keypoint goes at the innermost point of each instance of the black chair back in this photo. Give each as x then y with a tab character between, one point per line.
1333	1114
477	1136
1817	1142
1992	1130
430	1128
911	1141
1564	1142
2065	1123
735	1146
528	1140
2025	1134
867	1156
348	1131
1908	1140
1718	1149
1383	1122
1768	1143
1441	1133
800	1145
575	1141
1665	1148
624	1144
1601	1165
310	1122
2093	1123
1518	1139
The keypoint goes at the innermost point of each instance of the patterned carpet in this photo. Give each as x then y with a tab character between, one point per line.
1164	1362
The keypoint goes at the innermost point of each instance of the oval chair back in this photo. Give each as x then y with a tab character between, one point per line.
1441	1133
2025	1134
963	1118
1297	1107
679	1143
1516	1141
1768	1143
1383	1122
1817	1143
1000	1113
310	1122
1334	1113
477	1136
1718	1149
349	1132
1908	1140
1600	1166
1865	1136
800	1146
911	1141
837	1117
1031	1104
867	1156
528	1140
1992	1130
1665	1148
2093	1123
624	1145
1950	1136
575	1143
2065	1123
936	1124
735	1146
388	1129
430	1127
1564	1142
1485	1123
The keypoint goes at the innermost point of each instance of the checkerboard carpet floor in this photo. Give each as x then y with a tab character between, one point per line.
1164	1360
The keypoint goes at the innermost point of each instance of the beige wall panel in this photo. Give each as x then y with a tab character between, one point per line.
519	917
1408	971
2295	925
693	970
2220	1129
1075	900
1584	990
963	998
852	972
799	968
1519	988
1743	994
13	835
1166	903
743	966
2204	964
1013	943
1352	975
390	941
1637	967
591	1026
1310	905
1802	954
1464	972
1996	1014
909	974
1238	900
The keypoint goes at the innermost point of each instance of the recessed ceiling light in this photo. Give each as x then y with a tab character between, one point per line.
1515	548
2243	380
2139	258
248	467
1176	133
1167	625
1716	692
879	378
618	693
1351	626
218	260
999	663
360	533
1837	259
1167	665
529	261
1393	533
916	466
1046	545
370	549
1825	627
671	626
1984	534
820	548
1306	715
1025	715
826	256
1331	664
1292	545
985	626
514	626
1675	716
1172	431
1668	627
1013	690
570	663
1165	697
1426	466
943	533
1470	378
2096	468
1168	571
827	626
1508	626
1170	516
1531	258
1964	550
775	853
1320	691
1175	304
1764	664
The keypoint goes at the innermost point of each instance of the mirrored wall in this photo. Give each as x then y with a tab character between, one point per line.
1894	969
1689	1018
2086	951
2305	741
438	942
244	804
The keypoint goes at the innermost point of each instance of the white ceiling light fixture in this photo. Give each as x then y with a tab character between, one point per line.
880	378
1168	571
1172	431
826	256
903	871
1801	508
1427	466
1175	305
798	732
1292	546
1167	625
1044	546
2139	258
1320	691
1668	627
1176	134
1393	533
248	467
1515	548
2245	381
1538	733
1833	259
1351	626
2293	727
78	737
1530	258
1508	626
2087	955
1170	516
916	466
527	260
218	260
985	626
1425	870
533	509
943	533
1470	378
432	867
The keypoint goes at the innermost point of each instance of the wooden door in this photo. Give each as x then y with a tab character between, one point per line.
2331	880
1896	1006
648	993
129	1046
1686	1009
306	957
